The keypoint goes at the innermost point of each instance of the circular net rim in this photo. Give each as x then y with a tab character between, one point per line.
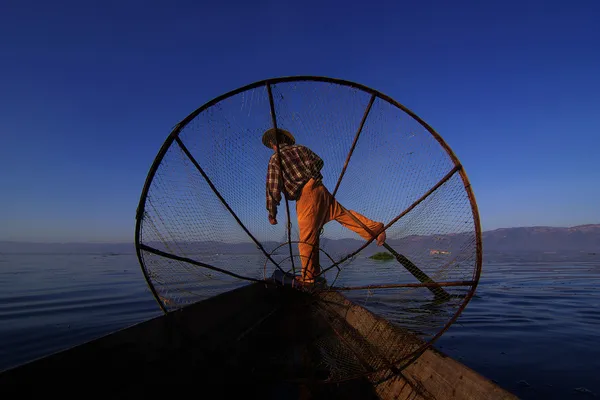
458	168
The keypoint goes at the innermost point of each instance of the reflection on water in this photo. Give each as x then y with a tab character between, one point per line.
533	328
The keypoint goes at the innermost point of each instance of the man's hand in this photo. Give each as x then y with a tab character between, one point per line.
272	220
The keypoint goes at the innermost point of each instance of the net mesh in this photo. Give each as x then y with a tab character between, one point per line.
204	227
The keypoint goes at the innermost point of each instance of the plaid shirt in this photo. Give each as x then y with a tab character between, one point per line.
300	164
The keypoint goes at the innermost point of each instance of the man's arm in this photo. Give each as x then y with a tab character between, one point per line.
316	162
273	188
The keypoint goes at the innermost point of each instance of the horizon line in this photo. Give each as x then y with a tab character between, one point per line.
132	242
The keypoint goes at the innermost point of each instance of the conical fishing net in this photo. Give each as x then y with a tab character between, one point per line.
203	228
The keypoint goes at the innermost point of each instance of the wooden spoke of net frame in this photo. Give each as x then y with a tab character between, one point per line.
402	285
218	194
175	257
358	132
287	204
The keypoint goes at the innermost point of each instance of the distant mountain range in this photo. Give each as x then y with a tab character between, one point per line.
542	243
544	239
9	247
531	243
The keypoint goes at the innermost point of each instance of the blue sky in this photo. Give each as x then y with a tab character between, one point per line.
90	90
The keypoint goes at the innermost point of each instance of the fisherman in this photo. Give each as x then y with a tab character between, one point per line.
315	206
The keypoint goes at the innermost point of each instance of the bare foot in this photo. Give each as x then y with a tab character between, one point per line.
381	239
299	282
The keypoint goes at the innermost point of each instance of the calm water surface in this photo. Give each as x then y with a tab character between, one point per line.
534	328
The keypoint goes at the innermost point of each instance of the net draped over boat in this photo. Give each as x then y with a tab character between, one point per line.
202	226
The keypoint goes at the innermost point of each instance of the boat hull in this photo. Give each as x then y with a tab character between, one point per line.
259	340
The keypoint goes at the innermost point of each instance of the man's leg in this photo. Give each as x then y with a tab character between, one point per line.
348	218
311	209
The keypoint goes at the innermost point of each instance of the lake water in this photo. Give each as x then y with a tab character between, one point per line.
533	328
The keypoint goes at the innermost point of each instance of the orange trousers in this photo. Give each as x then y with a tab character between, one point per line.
315	207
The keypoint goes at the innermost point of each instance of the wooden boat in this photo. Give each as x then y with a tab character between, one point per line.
258	340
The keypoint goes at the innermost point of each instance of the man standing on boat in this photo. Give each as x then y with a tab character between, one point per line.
315	206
